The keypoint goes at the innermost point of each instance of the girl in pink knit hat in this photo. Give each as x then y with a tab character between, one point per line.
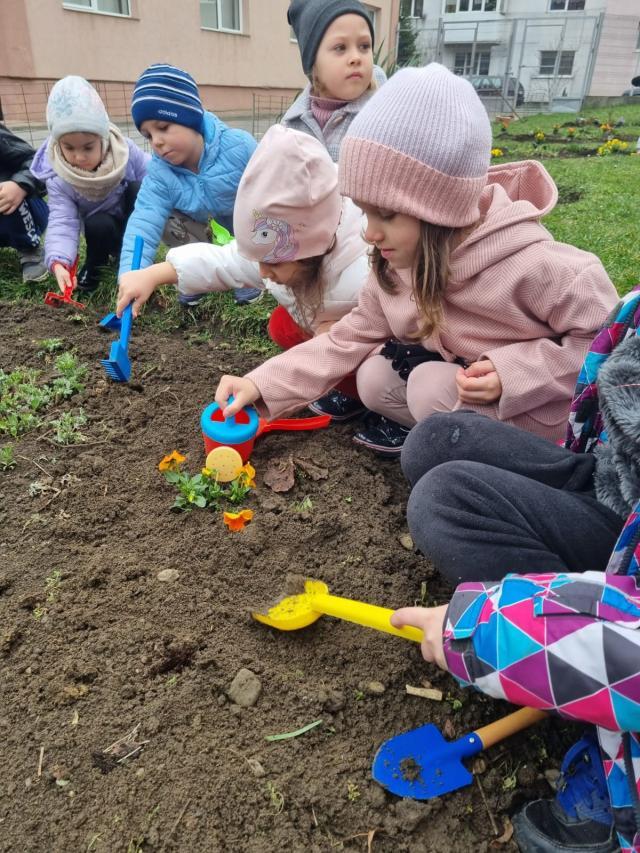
470	302
297	239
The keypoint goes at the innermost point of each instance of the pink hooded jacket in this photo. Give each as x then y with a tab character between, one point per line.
515	296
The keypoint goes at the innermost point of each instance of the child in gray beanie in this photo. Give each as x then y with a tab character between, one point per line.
336	41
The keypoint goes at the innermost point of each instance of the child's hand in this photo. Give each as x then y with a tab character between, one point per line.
430	620
11	197
241	388
63	276
138	285
479	383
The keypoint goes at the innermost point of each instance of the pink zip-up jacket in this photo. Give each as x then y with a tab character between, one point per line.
515	296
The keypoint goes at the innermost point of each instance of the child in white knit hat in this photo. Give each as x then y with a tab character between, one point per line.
470	302
299	239
92	173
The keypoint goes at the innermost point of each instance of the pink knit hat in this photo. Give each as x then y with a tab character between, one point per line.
288	205
420	146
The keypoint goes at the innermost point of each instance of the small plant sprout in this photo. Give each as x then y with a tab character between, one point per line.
7	458
71	376
38	612
456	704
50	345
305	505
422	601
359	695
353	792
276	799
67	428
52	584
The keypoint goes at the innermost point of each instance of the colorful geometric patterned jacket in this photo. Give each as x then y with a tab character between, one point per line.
570	643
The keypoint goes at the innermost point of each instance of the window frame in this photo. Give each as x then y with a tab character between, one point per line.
467	71
412	16
93	8
566	4
470	10
547	75
220	29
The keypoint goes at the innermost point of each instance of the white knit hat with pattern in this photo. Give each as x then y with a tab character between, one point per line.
74	106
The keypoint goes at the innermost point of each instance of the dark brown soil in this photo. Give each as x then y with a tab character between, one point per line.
118	649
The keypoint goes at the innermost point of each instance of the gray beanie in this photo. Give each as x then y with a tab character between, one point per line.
310	20
420	146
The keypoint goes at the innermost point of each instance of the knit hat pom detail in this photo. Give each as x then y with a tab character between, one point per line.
420	146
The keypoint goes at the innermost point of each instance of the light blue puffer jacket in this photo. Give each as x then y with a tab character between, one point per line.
209	193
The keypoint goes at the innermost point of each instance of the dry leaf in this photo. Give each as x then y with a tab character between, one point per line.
479	766
280	475
311	468
507	835
425	692
75	691
449	729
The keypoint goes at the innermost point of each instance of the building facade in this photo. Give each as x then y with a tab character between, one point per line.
236	50
543	52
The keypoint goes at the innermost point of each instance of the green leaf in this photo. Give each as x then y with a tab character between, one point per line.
297	733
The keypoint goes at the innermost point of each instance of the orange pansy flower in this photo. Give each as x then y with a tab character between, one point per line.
247	473
171	462
236	521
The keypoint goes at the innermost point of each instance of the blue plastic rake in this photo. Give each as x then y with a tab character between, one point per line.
118	365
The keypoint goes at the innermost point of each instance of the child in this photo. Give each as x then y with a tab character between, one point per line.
299	240
195	170
92	173
563	637
336	47
493	313
23	213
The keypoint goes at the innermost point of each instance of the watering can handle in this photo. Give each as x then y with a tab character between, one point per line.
367	615
291	424
506	726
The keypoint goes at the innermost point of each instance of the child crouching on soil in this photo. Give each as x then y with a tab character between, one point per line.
299	240
470	301
564	635
336	47
92	173
194	173
23	212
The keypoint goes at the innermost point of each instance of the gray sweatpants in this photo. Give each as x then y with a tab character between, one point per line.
488	499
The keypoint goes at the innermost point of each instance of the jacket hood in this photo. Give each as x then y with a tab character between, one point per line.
41	167
514	199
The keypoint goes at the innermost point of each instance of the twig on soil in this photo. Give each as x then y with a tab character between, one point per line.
424	692
40	759
168	391
37	464
180	816
494	825
313	814
368	835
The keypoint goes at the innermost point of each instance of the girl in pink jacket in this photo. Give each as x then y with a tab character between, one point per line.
470	302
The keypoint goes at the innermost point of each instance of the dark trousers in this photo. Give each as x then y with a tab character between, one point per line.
103	232
488	499
23	228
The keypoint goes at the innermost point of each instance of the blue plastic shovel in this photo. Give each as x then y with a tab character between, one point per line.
118	365
421	764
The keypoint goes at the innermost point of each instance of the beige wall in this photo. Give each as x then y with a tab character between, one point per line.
618	60
41	40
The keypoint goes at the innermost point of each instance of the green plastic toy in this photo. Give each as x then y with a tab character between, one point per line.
219	234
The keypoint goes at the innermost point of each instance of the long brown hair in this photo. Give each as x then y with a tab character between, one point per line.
429	275
308	288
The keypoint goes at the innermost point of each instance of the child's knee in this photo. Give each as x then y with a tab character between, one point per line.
430	443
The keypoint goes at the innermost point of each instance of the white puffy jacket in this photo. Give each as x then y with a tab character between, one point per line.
202	268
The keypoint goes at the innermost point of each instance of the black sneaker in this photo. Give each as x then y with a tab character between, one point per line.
88	279
385	437
338	405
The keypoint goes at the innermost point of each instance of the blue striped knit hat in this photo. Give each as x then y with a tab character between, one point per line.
166	93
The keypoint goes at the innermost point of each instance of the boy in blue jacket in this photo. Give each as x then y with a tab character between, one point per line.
195	170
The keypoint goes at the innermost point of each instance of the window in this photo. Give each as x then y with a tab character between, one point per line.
462	63
566	5
108	7
221	15
373	14
411	8
453	6
548	59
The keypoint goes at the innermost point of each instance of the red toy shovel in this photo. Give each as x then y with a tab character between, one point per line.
51	298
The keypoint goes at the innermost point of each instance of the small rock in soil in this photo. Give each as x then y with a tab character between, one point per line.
256	768
375	688
245	688
332	700
551	775
406	541
526	775
168	575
